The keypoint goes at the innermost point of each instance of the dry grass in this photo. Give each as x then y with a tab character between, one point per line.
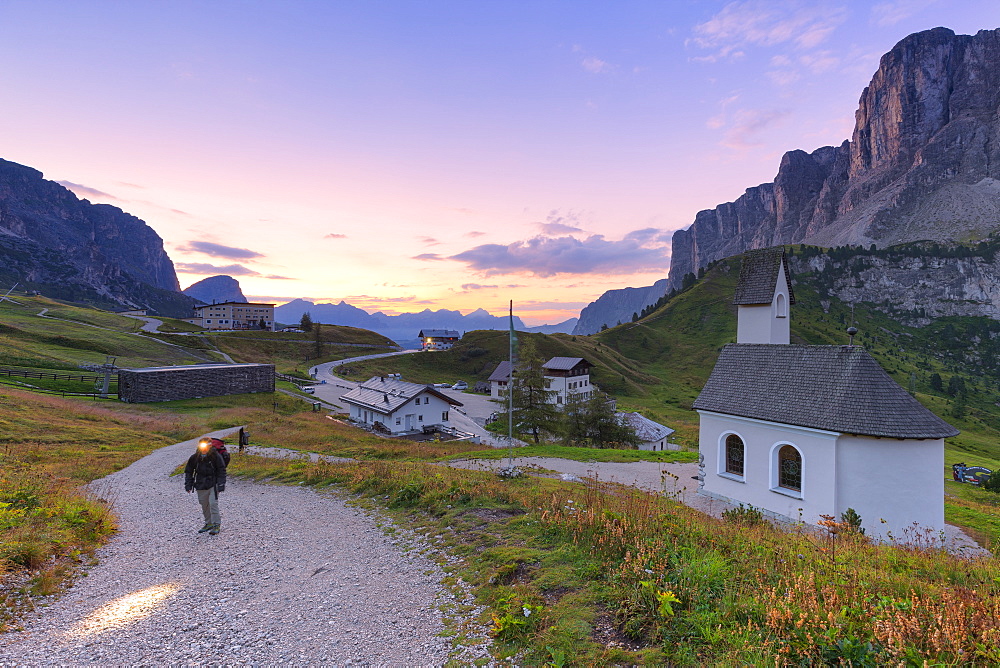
682	588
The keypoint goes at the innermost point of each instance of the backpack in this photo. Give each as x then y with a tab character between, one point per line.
220	447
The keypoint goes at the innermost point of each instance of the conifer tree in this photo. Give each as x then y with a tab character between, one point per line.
306	323
534	414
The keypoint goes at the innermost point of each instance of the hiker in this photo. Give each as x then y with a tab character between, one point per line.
206	472
244	439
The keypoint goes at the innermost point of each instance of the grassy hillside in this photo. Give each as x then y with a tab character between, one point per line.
41	333
73	335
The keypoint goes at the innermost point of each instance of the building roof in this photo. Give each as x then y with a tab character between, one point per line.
502	373
759	277
565	363
201	306
385	395
836	388
189	367
647	430
446	333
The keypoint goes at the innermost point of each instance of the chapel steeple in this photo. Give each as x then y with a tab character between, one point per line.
763	297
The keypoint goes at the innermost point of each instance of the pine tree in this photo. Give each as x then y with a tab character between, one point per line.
317	339
593	422
306	323
534	413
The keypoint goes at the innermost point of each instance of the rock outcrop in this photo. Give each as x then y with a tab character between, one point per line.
216	290
923	164
617	306
917	284
71	249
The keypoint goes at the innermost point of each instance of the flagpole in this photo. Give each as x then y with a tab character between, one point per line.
510	391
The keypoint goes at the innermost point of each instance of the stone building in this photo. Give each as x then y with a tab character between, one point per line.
169	383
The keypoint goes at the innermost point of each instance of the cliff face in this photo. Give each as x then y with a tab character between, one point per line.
216	290
923	163
616	306
918	287
72	249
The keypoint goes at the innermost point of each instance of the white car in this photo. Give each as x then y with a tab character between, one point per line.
309	390
460	385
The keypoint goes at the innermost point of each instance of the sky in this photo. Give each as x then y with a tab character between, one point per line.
404	155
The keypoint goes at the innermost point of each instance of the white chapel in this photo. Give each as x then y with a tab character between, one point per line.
803	431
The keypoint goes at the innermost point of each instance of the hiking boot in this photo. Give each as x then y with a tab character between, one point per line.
214	530
205	528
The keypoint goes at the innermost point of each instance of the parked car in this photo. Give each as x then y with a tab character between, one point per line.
309	390
460	385
442	384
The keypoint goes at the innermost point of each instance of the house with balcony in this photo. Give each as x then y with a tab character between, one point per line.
398	407
438	339
564	376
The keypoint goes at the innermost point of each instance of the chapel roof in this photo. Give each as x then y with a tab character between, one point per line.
388	394
836	388
759	277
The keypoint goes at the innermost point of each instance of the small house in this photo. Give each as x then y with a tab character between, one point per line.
652	435
438	339
499	379
398	406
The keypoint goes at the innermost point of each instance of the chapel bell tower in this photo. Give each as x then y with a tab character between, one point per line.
763	297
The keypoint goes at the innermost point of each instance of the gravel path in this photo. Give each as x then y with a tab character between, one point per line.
295	577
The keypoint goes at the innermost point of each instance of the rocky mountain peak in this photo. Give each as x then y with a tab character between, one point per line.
69	248
216	290
923	163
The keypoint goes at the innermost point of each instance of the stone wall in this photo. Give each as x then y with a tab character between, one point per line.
193	381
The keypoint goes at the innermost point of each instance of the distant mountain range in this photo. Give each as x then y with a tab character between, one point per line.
923	164
405	327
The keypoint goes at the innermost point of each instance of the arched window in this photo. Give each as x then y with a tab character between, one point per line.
789	468
781	306
734	454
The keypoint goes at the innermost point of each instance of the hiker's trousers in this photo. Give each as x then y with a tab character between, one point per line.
209	500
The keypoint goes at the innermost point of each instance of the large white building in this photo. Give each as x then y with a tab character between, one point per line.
399	407
806	431
564	376
234	315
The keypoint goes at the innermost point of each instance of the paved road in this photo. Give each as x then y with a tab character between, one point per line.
470	417
149	324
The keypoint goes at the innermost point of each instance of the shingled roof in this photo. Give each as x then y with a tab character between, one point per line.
759	277
647	430
837	388
502	373
565	363
387	394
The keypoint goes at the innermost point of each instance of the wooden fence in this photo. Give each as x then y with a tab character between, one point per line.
19	373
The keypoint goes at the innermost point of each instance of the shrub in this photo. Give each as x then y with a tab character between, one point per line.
747	516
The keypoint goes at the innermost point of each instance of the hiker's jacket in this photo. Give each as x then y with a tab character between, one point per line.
205	471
